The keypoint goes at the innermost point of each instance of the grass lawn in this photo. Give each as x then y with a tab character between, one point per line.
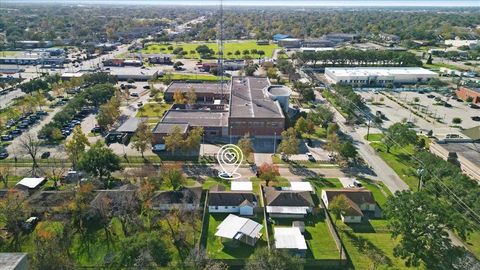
399	159
357	244
375	137
437	66
196	77
473	243
8	53
320	183
153	110
379	190
318	133
230	47
319	240
217	249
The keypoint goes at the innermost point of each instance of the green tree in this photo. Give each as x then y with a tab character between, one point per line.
193	140
13	210
338	206
457	120
172	175
245	144
191	97
289	144
142	138
421	223
76	146
174	140
275	259
348	151
99	161
398	134
301	126
321	115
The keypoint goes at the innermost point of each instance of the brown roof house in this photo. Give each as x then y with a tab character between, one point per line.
184	198
359	201
222	201
288	203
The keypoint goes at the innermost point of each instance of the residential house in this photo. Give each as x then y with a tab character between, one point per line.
287	203
185	198
222	201
360	201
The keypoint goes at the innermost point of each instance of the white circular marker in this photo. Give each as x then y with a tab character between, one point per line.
230	158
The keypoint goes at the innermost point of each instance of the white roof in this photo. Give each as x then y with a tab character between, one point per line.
289	238
301	186
30	182
234	226
287	209
241	186
379	71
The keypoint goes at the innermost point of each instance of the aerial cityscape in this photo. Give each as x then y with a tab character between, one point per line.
239	134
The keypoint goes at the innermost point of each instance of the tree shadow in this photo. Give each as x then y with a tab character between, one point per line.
366	247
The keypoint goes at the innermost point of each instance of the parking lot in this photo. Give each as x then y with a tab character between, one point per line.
395	113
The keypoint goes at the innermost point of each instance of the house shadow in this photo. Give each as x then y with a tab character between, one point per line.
363	227
300	170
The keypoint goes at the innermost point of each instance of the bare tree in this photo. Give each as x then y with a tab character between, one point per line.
4	174
30	146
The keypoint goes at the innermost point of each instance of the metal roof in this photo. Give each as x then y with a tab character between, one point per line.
30	182
233	226
289	238
241	185
130	125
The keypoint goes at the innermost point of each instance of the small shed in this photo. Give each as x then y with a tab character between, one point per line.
241	186
31	183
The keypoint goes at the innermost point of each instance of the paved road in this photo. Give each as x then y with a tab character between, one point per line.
6	99
383	172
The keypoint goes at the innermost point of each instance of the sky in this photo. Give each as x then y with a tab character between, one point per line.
360	3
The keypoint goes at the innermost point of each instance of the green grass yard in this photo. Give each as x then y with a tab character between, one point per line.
230	47
153	110
218	249
399	159
317	235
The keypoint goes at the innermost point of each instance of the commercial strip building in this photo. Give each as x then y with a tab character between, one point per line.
135	73
379	75
464	154
464	93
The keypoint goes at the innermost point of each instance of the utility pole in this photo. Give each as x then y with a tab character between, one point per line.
220	51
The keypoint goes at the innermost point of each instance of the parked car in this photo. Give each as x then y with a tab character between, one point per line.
140	104
473	106
476	118
310	157
7	137
4	154
29	224
134	94
158	147
45	155
96	130
225	174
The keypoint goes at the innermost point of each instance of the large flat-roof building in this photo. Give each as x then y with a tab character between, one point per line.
205	92
252	110
379	75
214	123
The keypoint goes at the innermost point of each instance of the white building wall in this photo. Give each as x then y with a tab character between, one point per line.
223	209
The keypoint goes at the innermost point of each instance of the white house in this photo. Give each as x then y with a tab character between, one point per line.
221	201
359	201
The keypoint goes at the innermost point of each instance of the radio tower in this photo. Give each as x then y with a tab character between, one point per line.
220	51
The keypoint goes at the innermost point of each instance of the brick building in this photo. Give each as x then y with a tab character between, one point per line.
465	92
206	92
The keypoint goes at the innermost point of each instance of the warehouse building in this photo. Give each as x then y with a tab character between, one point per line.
379	75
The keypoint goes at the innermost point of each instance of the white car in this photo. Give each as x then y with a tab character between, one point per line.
158	147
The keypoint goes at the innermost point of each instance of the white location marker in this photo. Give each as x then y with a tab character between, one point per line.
230	158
